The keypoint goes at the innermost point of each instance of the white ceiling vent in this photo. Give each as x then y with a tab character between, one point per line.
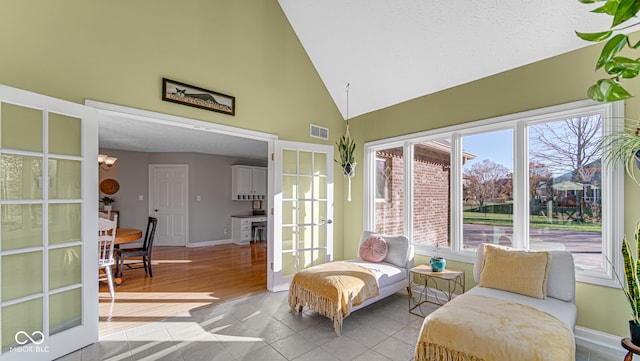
319	132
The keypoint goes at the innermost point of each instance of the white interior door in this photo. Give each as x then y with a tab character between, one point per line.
303	209
168	201
48	238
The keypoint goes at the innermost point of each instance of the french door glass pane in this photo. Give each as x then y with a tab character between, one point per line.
289	263
65	179
289	161
304	187
288	238
21	226
304	238
305	164
64	267
65	310
64	134
487	188
21	128
21	177
21	275
565	188
64	223
320	164
24	316
289	187
389	186
431	193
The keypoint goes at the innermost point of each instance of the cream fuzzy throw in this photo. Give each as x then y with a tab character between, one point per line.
331	289
480	328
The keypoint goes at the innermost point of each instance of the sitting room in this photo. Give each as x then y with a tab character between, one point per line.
411	141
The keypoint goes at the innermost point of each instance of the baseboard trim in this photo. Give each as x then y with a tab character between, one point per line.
208	243
594	337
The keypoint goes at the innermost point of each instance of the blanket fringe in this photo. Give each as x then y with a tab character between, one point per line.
299	296
431	352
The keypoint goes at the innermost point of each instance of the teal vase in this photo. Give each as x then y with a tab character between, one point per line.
437	264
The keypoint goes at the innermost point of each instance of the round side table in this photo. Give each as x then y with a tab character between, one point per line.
633	349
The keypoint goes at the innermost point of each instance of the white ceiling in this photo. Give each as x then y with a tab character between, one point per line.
123	132
390	52
394	51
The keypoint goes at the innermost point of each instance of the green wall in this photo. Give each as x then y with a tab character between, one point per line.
119	51
558	80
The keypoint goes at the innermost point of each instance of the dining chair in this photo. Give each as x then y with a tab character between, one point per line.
142	255
106	241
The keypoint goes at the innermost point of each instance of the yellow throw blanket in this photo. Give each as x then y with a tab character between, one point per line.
480	328
331	289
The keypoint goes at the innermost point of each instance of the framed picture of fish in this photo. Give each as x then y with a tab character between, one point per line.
181	93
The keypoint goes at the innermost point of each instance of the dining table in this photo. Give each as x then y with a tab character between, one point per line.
125	235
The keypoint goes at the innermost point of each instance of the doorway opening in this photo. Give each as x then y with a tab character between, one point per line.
208	268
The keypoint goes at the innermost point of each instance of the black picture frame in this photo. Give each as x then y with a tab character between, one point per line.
185	94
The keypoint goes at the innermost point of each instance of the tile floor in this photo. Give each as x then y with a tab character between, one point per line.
262	328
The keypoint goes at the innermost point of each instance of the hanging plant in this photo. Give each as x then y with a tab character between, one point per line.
624	148
346	150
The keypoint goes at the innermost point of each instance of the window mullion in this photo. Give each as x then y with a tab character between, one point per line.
520	186
408	193
456	193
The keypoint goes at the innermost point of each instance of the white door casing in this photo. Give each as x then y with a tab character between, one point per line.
168	201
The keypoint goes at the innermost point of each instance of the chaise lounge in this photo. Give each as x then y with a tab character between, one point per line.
522	309
338	288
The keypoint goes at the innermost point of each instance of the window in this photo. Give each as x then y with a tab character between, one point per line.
431	193
532	180
389	186
487	188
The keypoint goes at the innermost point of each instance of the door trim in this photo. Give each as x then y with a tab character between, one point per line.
108	109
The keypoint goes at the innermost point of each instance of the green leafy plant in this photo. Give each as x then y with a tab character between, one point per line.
107	200
619	67
624	148
631	269
346	149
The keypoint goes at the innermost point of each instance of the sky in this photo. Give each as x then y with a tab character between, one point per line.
496	146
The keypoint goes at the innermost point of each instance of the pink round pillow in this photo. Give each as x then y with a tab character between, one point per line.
373	249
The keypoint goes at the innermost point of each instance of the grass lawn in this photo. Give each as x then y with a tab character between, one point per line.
497	219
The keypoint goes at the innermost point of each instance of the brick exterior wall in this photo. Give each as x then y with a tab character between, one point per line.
431	196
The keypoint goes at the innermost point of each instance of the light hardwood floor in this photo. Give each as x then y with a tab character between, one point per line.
184	279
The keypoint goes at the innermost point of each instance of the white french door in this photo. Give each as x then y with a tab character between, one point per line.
48	222
303	209
168	201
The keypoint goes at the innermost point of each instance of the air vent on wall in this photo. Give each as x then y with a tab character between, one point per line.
319	132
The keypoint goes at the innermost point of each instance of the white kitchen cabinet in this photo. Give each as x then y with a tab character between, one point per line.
241	230
248	183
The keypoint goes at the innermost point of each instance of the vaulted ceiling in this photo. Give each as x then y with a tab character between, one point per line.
393	51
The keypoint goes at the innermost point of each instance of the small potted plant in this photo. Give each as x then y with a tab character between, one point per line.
632	289
106	201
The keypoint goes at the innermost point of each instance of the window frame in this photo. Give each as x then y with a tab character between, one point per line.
612	181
